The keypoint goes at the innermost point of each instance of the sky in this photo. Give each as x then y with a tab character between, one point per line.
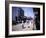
28	11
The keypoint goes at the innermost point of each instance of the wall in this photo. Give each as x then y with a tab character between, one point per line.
2	19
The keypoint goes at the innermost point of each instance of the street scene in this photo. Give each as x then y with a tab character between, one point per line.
25	19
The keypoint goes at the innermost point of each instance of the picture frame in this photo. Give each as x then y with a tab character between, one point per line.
9	14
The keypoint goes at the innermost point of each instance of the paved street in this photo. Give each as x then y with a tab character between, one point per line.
24	26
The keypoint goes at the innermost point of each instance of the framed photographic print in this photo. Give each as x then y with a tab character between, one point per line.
24	18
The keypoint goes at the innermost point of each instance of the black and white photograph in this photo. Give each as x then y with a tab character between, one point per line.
25	18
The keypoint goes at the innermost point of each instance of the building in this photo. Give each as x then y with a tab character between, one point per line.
37	19
18	14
